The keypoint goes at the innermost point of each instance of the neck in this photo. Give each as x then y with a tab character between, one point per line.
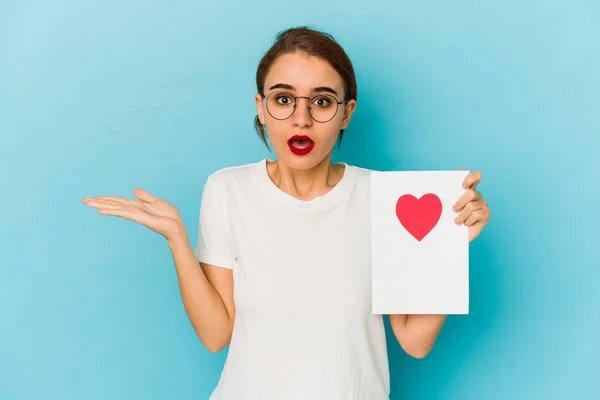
306	184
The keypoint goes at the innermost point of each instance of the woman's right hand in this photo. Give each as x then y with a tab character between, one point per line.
155	213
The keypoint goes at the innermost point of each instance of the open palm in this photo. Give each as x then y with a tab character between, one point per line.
150	211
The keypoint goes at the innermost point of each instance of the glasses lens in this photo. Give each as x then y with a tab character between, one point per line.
323	107
280	105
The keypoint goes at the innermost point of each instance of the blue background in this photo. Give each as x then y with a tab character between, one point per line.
98	98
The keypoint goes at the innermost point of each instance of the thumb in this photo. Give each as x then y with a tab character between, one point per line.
143	195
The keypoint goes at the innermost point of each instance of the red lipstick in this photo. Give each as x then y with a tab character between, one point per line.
301	144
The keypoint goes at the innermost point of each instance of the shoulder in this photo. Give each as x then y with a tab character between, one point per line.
362	171
362	174
226	178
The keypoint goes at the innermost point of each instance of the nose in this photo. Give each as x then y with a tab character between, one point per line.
301	116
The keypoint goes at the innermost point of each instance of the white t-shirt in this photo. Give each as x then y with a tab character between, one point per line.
303	328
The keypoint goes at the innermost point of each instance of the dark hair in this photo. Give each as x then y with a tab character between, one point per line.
314	43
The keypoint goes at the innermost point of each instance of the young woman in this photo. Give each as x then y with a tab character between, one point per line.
281	269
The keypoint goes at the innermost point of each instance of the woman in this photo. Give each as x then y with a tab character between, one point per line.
283	245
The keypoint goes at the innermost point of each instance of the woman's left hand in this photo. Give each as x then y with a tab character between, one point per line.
472	208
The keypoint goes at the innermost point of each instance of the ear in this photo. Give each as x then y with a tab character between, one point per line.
348	111
259	108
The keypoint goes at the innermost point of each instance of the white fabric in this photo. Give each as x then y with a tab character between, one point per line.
302	288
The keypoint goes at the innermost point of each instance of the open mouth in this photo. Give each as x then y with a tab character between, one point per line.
300	145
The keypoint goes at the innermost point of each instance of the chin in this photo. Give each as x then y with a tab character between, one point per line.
301	163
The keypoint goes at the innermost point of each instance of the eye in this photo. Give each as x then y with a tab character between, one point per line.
322	101
284	99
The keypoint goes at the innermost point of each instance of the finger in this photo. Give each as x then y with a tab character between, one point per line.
472	180
118	199
468	196
144	195
108	204
119	212
469	209
477	216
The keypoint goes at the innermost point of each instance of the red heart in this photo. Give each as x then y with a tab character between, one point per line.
420	216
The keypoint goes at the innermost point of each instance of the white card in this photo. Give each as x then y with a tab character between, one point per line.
419	255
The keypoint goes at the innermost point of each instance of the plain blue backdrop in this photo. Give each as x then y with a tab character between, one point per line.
98	98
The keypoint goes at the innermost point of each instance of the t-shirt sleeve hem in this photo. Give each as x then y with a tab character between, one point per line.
213	259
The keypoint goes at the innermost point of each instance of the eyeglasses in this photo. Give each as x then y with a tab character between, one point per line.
321	107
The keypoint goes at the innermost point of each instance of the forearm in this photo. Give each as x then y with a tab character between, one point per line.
417	333
202	302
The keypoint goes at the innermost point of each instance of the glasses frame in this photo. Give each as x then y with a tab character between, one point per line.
337	107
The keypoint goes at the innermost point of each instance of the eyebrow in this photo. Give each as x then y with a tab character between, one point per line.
319	89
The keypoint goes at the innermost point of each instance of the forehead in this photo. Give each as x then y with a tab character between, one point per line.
303	72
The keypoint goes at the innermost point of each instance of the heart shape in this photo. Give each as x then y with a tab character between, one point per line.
419	216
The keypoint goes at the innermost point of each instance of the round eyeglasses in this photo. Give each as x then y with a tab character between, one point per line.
321	107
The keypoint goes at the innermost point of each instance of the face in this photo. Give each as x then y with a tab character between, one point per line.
298	74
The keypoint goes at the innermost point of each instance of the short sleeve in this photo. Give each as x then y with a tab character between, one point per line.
214	243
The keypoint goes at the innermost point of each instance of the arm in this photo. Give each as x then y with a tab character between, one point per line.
207	294
417	333
206	290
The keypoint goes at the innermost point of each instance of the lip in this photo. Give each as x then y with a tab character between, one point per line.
301	152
